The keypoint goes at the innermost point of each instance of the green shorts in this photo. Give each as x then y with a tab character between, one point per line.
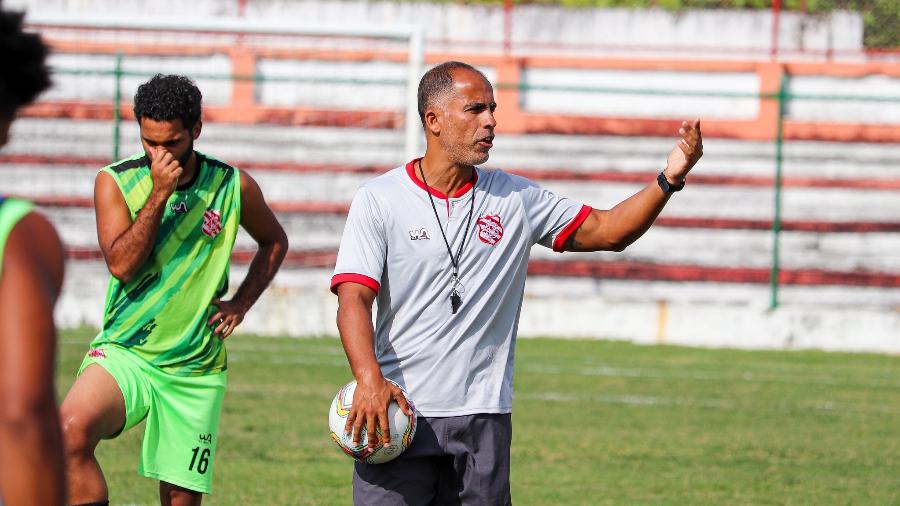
182	415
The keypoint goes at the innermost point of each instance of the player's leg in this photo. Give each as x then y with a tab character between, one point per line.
479	473
92	410
109	397
181	433
173	495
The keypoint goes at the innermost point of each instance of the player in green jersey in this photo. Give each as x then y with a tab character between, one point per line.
166	221
31	272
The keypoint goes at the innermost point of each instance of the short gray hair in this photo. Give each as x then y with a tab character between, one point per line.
439	80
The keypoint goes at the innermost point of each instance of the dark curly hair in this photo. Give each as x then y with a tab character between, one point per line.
24	73
439	80
167	97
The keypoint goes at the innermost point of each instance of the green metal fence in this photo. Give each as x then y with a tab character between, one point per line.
783	97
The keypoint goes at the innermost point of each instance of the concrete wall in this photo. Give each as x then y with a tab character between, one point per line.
536	28
299	304
573	91
693	313
101	86
380	85
866	99
721	95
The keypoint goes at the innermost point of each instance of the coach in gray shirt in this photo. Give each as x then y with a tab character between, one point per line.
443	247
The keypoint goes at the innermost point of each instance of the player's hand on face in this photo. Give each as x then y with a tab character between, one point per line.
164	171
370	410
229	316
686	152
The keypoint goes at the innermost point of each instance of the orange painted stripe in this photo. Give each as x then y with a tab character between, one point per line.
294	258
730	129
298	167
341	209
550	174
292	207
613	176
297	116
855	227
694	273
532	122
634	271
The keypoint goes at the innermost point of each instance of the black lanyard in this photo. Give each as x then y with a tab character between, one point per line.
455	299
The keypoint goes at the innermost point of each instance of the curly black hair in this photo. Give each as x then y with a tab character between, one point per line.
167	97
24	73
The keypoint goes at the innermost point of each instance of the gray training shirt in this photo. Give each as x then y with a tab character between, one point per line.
450	364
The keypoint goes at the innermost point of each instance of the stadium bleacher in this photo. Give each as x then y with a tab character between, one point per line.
708	258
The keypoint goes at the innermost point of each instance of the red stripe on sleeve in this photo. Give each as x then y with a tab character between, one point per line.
354	278
570	229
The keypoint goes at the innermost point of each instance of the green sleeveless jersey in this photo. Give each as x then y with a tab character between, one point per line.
161	314
11	212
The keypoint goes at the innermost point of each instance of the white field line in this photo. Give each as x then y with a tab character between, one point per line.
663	374
273	353
837	408
334	358
720	404
821	406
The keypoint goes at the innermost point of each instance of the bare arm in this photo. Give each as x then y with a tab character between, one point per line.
31	458
259	221
373	393
126	245
615	229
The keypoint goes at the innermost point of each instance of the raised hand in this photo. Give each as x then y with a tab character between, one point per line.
686	152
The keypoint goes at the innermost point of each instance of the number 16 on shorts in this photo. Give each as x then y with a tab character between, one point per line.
200	455
199	460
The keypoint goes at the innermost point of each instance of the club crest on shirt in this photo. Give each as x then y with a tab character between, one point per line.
418	234
490	230
212	223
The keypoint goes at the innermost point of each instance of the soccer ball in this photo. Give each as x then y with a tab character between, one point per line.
402	427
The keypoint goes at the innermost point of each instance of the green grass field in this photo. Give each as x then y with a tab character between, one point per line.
594	423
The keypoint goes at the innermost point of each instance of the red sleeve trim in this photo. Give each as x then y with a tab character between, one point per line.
353	278
570	229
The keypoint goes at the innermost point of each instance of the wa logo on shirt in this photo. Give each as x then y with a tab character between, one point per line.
419	234
212	223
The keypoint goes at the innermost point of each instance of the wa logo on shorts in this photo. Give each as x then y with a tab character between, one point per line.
212	223
490	230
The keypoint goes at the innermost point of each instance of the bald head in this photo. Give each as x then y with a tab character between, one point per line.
438	82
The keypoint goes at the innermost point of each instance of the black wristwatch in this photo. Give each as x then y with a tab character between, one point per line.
666	186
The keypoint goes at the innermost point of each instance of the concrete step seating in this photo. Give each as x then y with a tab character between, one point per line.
839	202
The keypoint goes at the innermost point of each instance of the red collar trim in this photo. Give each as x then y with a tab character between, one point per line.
411	172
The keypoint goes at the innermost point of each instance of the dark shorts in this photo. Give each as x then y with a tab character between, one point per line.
453	460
